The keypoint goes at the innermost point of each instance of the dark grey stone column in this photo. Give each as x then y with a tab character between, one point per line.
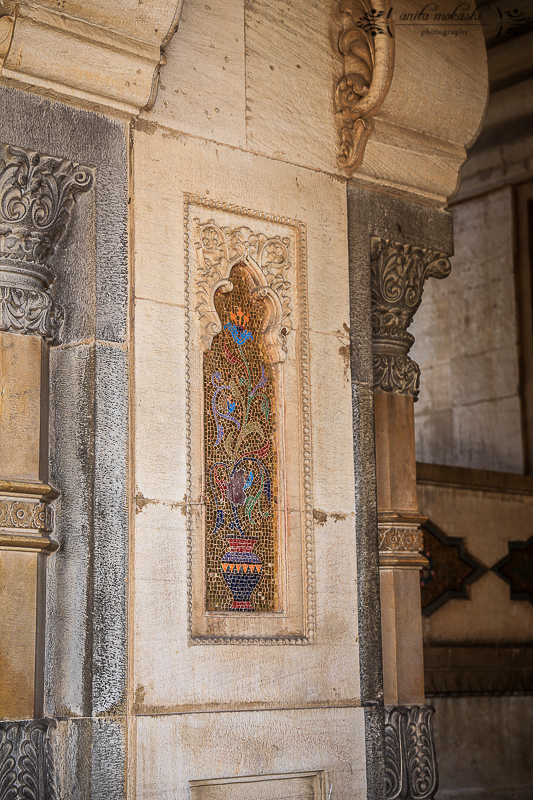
86	632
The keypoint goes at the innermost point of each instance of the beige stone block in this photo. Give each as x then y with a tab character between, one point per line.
504	312
332	424
472	378
291	72
173	750
431	326
470	320
434	437
487	435
483	240
489	617
18	625
23	407
168	165
506	372
174	676
486	520
158	220
160	392
202	88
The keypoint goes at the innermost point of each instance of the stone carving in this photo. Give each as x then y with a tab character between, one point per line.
410	761
26	761
26	514
367	44
37	193
219	249
398	274
394	539
30	311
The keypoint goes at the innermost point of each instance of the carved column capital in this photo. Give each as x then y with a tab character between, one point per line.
37	193
398	274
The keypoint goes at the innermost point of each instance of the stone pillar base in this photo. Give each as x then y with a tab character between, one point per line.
410	759
26	760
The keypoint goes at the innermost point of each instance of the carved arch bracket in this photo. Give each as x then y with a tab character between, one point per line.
367	44
267	259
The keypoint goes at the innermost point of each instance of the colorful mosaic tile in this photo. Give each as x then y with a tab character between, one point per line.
241	536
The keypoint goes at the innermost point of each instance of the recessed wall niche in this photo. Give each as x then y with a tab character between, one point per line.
250	510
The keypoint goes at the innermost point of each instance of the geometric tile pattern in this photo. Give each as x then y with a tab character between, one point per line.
450	569
516	569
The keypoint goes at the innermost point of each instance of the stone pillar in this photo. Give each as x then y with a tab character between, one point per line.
398	273
37	193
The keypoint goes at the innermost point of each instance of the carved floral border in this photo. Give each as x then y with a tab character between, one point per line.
309	568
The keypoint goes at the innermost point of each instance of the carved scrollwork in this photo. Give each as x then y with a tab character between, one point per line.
26	761
37	194
410	760
30	311
268	260
367	44
398	274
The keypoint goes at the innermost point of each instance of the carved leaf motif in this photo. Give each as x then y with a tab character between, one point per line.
8	790
36	197
28	311
395	774
398	374
28	764
420	753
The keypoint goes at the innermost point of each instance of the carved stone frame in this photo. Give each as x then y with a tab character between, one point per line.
273	250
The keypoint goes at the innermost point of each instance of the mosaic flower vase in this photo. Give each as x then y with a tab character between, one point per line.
241	570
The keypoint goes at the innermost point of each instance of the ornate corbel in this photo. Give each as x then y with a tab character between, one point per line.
367	45
398	274
267	260
37	193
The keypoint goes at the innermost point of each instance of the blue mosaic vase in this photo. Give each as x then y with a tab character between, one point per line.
241	570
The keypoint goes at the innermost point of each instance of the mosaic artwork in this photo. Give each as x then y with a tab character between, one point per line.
240	446
450	569
516	568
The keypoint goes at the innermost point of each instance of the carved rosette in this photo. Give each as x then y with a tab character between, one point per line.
367	45
26	518
410	759
26	760
218	250
398	274
37	194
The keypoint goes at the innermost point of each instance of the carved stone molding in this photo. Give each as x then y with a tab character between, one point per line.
218	250
398	274
103	54
400	539
37	194
367	44
410	759
26	760
26	521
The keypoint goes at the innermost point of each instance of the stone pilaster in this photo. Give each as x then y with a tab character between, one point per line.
37	194
398	274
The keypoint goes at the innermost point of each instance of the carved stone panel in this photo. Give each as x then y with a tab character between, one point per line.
250	516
